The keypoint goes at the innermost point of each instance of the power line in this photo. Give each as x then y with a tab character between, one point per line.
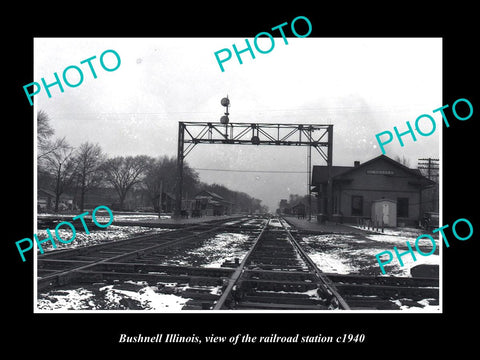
254	171
267	110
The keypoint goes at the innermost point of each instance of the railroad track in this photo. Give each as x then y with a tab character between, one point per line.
275	273
61	267
382	292
278	275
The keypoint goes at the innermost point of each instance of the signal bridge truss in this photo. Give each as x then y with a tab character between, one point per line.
319	137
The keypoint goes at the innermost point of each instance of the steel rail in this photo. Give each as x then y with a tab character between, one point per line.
238	272
326	282
60	253
63	277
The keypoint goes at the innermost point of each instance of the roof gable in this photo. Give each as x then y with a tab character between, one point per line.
47	192
209	194
320	173
379	160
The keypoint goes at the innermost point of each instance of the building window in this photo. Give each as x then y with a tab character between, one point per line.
357	205
402	207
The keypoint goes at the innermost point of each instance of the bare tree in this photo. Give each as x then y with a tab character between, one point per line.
154	181
160	177
124	172
402	160
44	132
45	146
88	163
60	165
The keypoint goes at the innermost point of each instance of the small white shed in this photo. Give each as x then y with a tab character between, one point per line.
384	210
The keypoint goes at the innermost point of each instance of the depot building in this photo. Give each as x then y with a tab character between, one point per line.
380	189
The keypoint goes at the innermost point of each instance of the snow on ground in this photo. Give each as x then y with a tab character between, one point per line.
313	293
142	216
409	305
355	253
139	295
126	295
235	221
333	253
331	264
105	218
399	238
223	246
76	299
213	251
112	233
129	295
136	217
328	252
256	221
147	297
394	268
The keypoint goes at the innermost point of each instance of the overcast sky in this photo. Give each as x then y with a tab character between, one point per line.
361	86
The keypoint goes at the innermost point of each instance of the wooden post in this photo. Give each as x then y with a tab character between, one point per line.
160	202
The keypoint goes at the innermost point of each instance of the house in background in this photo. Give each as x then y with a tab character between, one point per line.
46	201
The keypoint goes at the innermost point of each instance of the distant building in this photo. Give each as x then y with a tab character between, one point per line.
354	189
209	203
299	210
282	205
46	201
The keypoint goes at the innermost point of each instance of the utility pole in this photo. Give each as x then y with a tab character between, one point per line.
179	182
309	181
430	168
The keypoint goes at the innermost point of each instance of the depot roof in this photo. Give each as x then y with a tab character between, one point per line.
320	173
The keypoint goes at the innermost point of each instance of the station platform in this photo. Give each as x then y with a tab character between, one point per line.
326	228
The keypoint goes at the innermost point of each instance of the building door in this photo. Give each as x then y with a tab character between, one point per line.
386	213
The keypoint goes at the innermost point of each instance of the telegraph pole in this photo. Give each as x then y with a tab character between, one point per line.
160	202
430	167
309	181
